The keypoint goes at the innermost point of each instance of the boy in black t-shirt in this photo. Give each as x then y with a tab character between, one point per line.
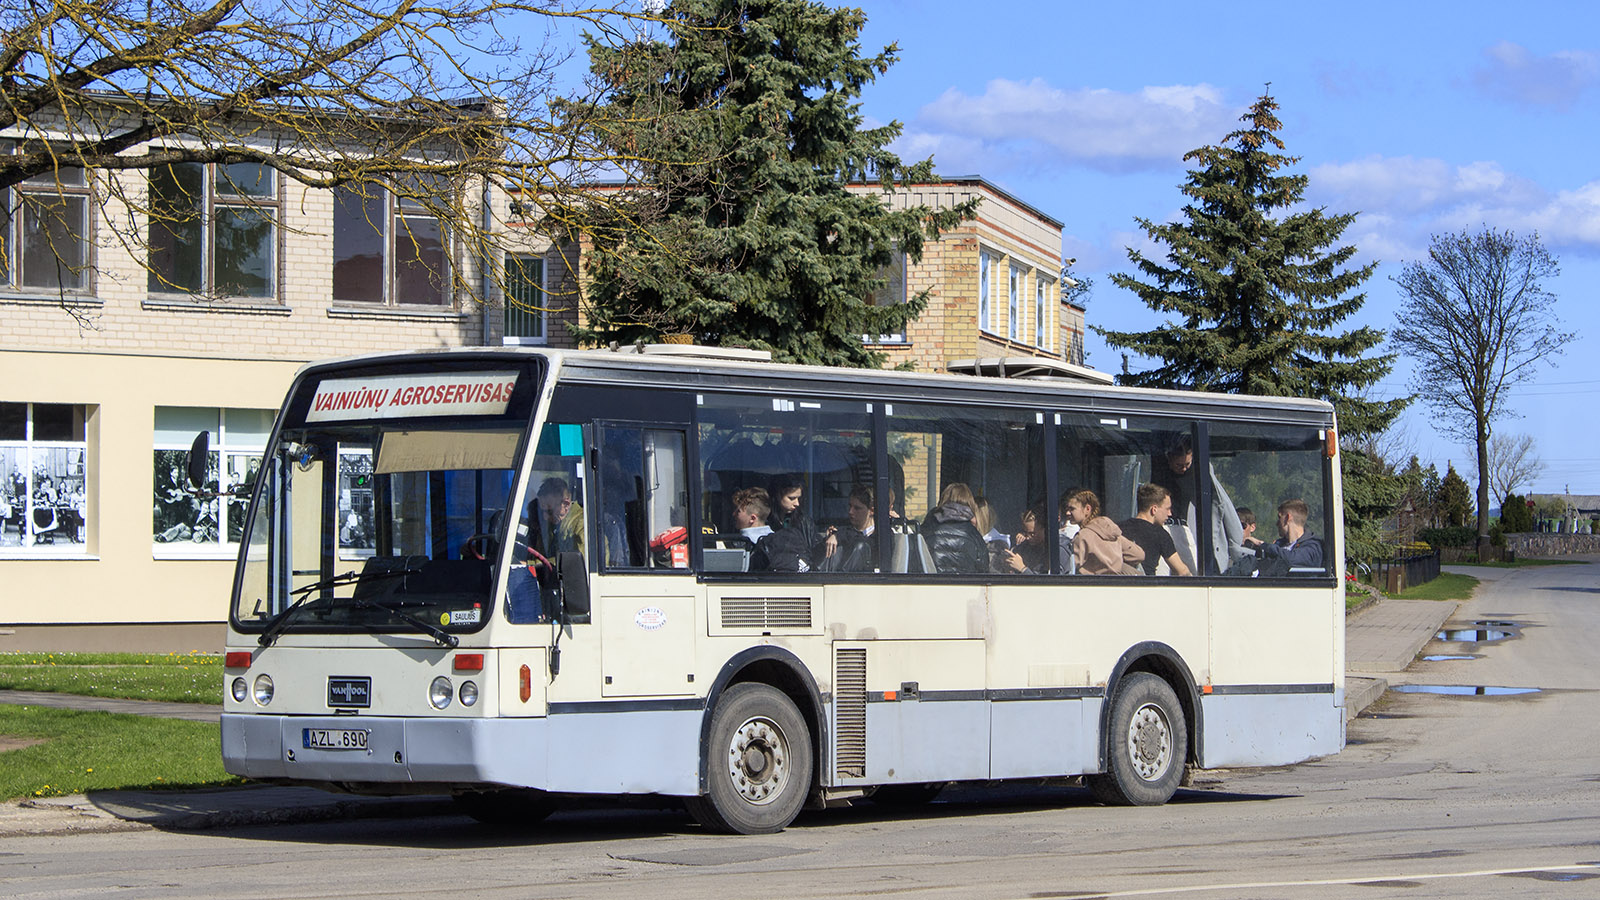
1148	529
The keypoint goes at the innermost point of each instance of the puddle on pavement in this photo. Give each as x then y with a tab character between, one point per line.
1496	623
1473	635
1437	657
1462	690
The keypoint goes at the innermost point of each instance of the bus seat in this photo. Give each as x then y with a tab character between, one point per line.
908	553
1183	537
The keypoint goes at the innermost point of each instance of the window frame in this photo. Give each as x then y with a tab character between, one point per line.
215	202
1015	286
894	292
543	312
985	291
28	545
398	209
13	219
225	447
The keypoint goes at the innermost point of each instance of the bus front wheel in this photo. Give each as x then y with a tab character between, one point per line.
1148	745
758	766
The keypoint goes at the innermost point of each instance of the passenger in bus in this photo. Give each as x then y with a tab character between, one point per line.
556	522
1099	547
954	542
787	492
1295	548
1247	523
1148	529
1029	553
1068	531
854	549
983	517
751	507
1177	476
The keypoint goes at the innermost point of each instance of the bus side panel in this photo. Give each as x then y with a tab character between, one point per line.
1270	729
1033	738
646	751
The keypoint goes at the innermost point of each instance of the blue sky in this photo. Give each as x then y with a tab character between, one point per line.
1422	117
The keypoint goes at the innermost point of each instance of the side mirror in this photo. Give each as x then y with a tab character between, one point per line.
573	574
199	455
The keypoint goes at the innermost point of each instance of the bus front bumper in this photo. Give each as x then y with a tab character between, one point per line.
578	754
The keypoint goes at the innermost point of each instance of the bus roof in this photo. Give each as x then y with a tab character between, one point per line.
624	367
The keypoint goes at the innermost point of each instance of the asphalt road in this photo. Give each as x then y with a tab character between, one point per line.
1437	795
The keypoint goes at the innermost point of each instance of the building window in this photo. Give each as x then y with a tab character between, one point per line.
892	293
213	230
1014	306
983	292
527	300
44	228
1041	290
44	458
387	248
238	437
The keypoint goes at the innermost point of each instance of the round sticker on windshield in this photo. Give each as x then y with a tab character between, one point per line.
650	618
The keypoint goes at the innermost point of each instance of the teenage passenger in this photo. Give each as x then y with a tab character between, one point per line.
954	542
1148	529
1099	547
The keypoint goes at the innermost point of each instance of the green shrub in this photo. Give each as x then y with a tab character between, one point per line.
1515	516
1450	536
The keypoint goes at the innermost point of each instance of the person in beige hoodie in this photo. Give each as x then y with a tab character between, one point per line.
1099	547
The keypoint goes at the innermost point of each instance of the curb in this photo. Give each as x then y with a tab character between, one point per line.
1360	692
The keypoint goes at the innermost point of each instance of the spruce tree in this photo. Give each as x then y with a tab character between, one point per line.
1253	296
750	236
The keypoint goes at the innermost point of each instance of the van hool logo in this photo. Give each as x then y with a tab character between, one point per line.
349	691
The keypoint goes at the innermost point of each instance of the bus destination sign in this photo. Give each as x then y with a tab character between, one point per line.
412	396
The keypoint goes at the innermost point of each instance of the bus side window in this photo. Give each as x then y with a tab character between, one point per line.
764	450
971	477
643	519
1257	469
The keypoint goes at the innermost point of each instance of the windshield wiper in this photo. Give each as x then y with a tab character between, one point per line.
444	638
281	621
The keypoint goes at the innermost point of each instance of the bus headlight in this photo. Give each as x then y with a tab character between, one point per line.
440	692
263	689
468	693
240	690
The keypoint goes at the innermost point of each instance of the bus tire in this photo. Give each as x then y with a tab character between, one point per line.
510	808
758	763
1147	747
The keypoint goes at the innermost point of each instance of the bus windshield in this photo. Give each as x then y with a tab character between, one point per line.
386	524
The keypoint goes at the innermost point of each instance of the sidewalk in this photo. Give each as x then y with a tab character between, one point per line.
1380	639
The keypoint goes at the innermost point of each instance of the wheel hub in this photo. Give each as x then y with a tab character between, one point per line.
758	760
1150	742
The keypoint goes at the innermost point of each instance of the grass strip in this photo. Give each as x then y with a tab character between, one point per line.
1448	586
87	751
172	677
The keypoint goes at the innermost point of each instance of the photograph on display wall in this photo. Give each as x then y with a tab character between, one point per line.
179	515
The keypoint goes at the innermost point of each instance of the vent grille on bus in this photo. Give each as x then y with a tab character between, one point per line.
766	612
850	712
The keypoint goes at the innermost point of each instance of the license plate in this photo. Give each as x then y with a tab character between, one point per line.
335	738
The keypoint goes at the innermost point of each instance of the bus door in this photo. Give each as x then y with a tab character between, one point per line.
644	595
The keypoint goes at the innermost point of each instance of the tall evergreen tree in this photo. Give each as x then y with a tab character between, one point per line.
1253	296
751	236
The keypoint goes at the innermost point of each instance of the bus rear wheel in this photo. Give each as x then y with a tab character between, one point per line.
758	763
1148	745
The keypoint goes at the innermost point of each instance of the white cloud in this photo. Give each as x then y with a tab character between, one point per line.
1403	200
1034	125
1513	74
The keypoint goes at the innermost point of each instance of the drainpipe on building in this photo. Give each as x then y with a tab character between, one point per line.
484	262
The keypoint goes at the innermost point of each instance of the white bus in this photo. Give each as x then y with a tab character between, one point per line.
517	575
